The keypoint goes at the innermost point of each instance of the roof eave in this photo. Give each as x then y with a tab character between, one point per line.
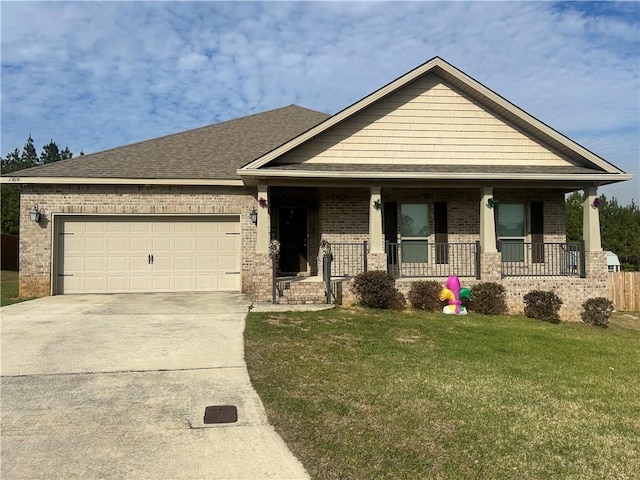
588	177
20	180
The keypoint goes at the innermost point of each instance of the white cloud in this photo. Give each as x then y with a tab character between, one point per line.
94	75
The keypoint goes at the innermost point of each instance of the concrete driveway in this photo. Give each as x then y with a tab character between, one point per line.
115	386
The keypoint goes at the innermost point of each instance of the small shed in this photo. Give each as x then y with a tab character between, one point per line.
613	262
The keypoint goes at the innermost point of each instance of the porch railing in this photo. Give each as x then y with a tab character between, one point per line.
423	259
542	259
348	259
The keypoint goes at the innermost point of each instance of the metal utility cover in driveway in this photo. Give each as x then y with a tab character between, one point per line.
107	386
221	414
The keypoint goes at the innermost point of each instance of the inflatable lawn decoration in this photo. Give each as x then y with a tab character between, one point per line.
454	295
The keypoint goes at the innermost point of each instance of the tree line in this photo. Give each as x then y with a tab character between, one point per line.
18	160
619	228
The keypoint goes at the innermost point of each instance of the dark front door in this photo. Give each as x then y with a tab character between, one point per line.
537	232
441	232
390	220
292	224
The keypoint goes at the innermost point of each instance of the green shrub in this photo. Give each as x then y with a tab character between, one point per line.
376	289
543	305
425	295
596	311
488	298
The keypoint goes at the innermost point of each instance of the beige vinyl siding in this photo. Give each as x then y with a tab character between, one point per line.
426	122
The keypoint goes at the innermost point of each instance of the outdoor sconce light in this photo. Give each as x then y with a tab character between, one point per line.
254	216
36	213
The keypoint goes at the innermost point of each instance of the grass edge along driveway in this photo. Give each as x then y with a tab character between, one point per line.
366	394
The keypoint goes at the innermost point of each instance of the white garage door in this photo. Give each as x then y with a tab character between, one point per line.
147	254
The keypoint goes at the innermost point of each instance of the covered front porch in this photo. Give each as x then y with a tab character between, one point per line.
430	232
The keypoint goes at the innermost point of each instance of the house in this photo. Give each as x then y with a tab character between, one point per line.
431	175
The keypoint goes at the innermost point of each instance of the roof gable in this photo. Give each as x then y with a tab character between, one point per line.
426	122
537	137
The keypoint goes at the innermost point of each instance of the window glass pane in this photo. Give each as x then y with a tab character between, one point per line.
414	251
510	220
512	250
415	220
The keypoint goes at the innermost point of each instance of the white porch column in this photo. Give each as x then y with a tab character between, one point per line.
591	221
376	244
487	222
264	221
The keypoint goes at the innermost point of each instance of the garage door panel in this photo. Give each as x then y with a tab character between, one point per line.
117	264
69	283
162	283
117	283
161	245
72	264
139	227
140	283
162	264
94	227
206	262
184	264
116	244
185	228
95	283
162	227
204	244
95	264
206	227
205	282
227	262
227	282
92	244
186	244
184	283
118	227
139	263
73	244
112	254
140	244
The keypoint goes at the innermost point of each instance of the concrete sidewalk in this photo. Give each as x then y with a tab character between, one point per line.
115	386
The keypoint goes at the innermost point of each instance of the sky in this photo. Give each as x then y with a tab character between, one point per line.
96	75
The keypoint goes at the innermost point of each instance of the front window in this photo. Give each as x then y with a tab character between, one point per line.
511	221
415	230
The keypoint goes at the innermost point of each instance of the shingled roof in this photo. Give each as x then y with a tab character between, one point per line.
213	152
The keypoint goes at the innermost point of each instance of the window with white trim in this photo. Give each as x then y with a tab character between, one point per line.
511	231
414	231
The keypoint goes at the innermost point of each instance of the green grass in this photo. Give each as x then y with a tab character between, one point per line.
378	394
9	288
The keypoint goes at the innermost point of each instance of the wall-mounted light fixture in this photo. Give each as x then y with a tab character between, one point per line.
35	213
254	216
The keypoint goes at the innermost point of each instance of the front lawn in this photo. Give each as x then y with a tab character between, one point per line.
9	288
378	394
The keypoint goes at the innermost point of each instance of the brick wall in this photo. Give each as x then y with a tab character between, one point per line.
344	218
36	239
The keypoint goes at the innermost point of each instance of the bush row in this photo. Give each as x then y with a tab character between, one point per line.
376	289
